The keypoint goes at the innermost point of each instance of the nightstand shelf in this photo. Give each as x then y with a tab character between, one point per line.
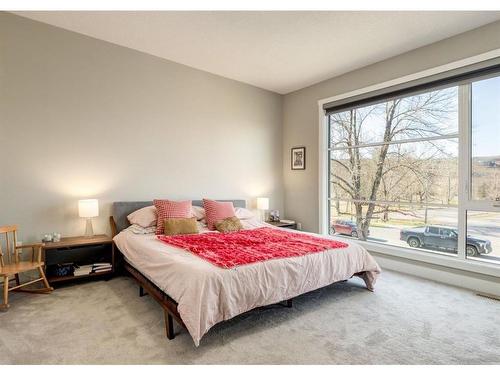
57	279
284	224
79	250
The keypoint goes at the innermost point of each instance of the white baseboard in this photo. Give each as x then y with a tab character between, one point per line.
463	279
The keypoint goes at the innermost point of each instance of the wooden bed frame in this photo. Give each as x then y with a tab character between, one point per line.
168	304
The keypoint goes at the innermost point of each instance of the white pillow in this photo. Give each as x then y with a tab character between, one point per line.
243	213
198	212
137	229
144	217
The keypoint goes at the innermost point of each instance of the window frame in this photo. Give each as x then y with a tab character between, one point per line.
455	136
465	203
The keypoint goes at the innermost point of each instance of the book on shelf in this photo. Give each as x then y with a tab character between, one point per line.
99	267
102	269
83	270
101	264
88	269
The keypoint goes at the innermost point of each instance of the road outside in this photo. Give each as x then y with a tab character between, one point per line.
481	225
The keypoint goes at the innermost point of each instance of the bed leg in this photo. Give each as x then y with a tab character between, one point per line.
141	291
289	303
169	325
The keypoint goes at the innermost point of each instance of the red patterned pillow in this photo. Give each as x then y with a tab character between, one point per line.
217	211
170	210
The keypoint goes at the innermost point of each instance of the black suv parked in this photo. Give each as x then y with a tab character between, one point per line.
434	237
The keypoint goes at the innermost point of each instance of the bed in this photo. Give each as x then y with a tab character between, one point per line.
198	294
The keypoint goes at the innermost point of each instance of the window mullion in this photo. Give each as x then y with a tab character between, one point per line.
464	125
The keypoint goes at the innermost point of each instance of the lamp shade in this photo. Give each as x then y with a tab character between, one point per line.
88	208
263	203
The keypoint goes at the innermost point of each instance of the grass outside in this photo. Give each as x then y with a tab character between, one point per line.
396	222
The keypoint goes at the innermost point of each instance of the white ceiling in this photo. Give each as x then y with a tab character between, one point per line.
277	51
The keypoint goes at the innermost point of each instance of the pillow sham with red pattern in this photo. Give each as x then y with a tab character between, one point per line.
170	210
217	211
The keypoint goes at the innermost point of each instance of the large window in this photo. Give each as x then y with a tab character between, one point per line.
393	170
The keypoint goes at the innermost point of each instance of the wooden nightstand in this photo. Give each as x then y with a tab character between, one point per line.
284	224
82	251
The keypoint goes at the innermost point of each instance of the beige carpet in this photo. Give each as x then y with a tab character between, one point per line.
406	321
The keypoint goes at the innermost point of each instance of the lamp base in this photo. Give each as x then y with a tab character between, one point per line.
89	230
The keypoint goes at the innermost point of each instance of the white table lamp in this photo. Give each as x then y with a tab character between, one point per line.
88	208
262	206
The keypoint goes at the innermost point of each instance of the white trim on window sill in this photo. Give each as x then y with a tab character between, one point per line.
444	260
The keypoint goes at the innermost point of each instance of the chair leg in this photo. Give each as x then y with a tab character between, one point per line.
5	304
17	279
45	281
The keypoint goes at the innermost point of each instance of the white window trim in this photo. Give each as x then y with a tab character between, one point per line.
458	262
445	260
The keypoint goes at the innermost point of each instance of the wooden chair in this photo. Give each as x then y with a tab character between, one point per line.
11	265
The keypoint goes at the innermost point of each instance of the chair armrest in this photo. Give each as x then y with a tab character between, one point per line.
24	246
36	250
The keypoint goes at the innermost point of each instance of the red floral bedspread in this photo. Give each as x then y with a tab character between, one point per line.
249	246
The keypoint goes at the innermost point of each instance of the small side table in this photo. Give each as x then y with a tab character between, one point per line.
81	250
284	224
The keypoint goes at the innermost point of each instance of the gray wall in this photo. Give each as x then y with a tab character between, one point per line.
85	118
300	110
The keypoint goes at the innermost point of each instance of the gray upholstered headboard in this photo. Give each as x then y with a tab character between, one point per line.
120	210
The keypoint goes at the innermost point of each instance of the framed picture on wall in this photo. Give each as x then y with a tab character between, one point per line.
298	158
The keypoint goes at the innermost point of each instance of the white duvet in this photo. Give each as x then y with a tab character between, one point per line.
207	294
